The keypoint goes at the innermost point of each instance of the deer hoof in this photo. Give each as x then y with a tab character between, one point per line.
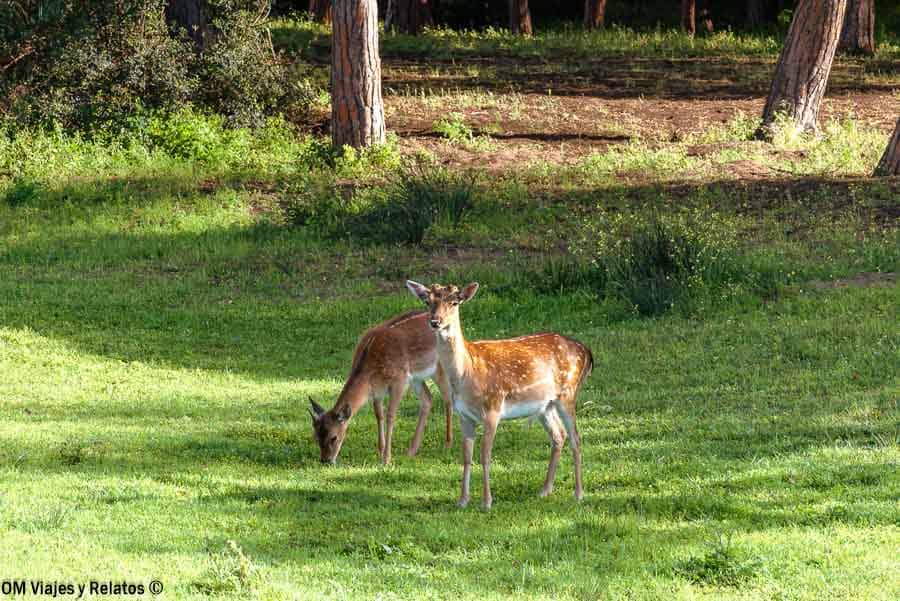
463	501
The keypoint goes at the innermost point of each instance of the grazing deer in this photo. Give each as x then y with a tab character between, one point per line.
389	358
490	380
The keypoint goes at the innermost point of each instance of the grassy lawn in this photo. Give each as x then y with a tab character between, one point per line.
166	310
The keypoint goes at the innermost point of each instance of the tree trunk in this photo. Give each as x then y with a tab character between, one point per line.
858	34
804	65
594	14
357	112
890	161
688	16
519	17
320	11
704	14
189	16
761	12
756	13
409	16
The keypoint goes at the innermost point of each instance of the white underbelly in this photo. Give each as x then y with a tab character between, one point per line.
421	376
463	409
523	409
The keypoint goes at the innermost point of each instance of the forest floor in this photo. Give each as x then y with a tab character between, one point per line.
165	316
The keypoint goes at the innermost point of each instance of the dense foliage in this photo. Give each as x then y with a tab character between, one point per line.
92	64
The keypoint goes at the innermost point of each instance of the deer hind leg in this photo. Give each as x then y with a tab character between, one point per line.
425	402
568	420
441	379
557	433
396	393
379	418
468	443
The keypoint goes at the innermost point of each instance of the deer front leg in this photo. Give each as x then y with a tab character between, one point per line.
441	379
487	445
425	402
557	433
379	418
396	394
468	444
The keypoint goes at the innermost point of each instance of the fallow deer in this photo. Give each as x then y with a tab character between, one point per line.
389	358
491	380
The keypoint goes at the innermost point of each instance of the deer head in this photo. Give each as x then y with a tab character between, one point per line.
329	428
443	303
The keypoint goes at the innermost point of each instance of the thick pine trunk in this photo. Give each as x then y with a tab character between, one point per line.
689	16
858	34
890	161
594	14
804	65
756	13
357	112
320	10
704	15
519	17
189	16
409	16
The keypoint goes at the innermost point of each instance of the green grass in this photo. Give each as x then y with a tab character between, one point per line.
161	328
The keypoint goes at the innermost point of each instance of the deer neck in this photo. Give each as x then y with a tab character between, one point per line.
355	392
452	353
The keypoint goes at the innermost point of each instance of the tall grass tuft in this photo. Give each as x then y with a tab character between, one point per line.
659	262
420	196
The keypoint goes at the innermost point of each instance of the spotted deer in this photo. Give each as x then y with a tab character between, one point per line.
491	380
389	359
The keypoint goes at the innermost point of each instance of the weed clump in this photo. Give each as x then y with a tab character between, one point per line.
658	262
228	571
414	200
723	564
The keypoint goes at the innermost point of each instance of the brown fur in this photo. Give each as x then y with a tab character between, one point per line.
490	380
388	359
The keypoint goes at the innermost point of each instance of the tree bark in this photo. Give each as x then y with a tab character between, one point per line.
689	16
704	14
691	10
519	17
320	11
858	34
357	111
594	14
189	16
804	65
409	16
890	161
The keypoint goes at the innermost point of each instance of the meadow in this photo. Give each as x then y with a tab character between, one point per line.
171	295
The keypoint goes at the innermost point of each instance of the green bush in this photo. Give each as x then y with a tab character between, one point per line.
90	65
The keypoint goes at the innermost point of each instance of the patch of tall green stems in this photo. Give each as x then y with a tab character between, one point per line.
403	210
657	262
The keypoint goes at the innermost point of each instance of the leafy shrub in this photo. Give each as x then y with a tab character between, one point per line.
89	65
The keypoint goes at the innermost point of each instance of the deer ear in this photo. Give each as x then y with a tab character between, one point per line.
315	410
468	292
344	413
418	290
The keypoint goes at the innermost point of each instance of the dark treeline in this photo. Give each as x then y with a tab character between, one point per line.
478	14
